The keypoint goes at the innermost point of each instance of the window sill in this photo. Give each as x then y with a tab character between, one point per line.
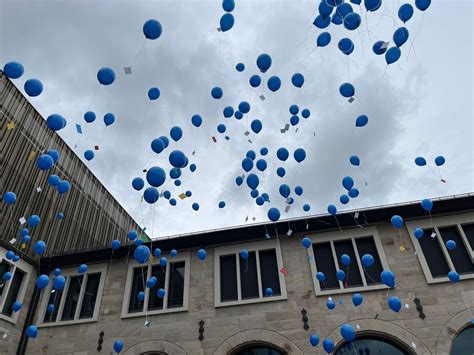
11	320
151	313
446	279
67	322
249	301
350	290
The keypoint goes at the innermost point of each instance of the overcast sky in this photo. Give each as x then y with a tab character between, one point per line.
422	105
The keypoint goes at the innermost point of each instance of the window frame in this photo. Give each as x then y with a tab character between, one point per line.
441	222
69	273
181	257
27	269
346	234
251	247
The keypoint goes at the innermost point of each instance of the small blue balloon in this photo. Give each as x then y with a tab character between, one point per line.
63	187
7	276
239	180
332	210
264	62
138	183
294	120
253	181
420	161
247	164
268	292
322	22
53	154
354	160
294	109
177	159
118	346
306	207
453	276
353	193
163	261
55	122
305	113
44	162
328	345
297	80
397	221
42	281
299	155
256	126
221	128
330	304
345	259
115	244
314	340
13	70
274	83
192	167
109	119
161	293
392	55
244	254
195	206
357	299
151	195
240	67
226	22
89	155
228	111
394	303
367	260
427	205
344	199
284	190
320	276
255	81
34	220
361	121
196	120
217	92
451	244
281	172
298	190
152	29
40	247
273	214
141	296
82	268
32	331
106	76
238	115
388	278
372	5
352	21
282	154
440	160
324	9
9	197
323	39
261	165
244	107
16	306
306	242
347	182
157	252
341	275
346	46
153	93
221	204
347	90
176	133
419	232
33	87
201	254
348	332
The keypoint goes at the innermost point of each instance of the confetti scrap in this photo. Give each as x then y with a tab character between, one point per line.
182	196
32	155
78	128
351	100
402	248
219	29
214	139
227	137
10	125
289	233
96	147
433	235
284	271
127	70
246	133
39	189
13	241
22	220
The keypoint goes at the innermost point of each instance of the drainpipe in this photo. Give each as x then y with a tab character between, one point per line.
21	350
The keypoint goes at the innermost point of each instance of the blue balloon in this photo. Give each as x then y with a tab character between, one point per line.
42	281
306	207
439	160
244	107
354	160
226	22
33	87
273	214
347	90
153	93
330	304
13	70
221	204
357	299
7	276
192	167
132	235
196	120
109	119
24	232
392	55
299	155
261	165
348	332
32	331
151	282
346	46
9	255
238	115
141	254
306	242
228	111
195	206
394	303
388	278
240	67
420	161
379	48
157	145
281	172
244	254
175	173
151	195
344	9
252	181
332	210
25	239
352	21
323	39
282	154
353	193
264	62
138	242
63	187
328	345
221	128
427	205
400	36
89	155
422	5
256	126
297	80
324	9
322	22
152	29
294	109
40	247
156	176
106	76
453	276
320	276
44	162
314	340
9	197
284	190
177	159
397	221
405	12
201	254
344	199
217	92
294	120
34	220
419	232
298	190
15	258
239	180
255	81
16	306
372	5
56	122
161	293
274	83
345	259
347	182
118	346
451	244
157	252
228	5
337	19
266	197
82	268
247	164
341	275
53	154
268	292
176	133
138	183
305	113
167	194
115	244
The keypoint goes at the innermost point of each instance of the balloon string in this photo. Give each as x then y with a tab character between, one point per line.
139	50
416	35
400	237
340	229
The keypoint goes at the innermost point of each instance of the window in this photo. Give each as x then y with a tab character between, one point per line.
240	281
258	349
325	256
435	258
173	278
372	345
78	302
14	289
462	344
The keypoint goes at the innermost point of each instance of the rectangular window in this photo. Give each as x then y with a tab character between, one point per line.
241	281
78	301
15	288
172	278
436	259
325	256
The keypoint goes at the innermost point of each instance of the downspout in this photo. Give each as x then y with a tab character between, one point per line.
21	350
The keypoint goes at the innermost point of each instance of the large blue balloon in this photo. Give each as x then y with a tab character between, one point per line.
274	83
357	299
297	80
352	21
32	331
392	55
347	90
299	155
440	160
282	154
332	210
156	176
55	122
9	197
44	162
106	76
372	5
427	205
400	36
252	181
196	120
13	70
348	332
141	254
273	214
347	182
422	5
177	159
153	93
394	303
256	126
367	260
255	81
323	39
33	87
152	29
281	171
226	22
420	161
405	12
247	164
118	346
284	190
388	278
109	119
264	62
42	281
261	165
176	133
397	221
151	195
89	155
328	345
217	92
346	46
34	220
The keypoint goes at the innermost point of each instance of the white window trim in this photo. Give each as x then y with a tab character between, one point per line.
183	256
235	249
28	270
68	273
351	234
441	222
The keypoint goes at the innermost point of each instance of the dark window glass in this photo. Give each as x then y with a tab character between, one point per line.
325	264
352	270
90	296
462	344
228	273
460	258
176	285
367	245
138	285
72	298
13	292
258	350
155	302
469	232
370	345
55	299
433	255
248	277
4	267
269	271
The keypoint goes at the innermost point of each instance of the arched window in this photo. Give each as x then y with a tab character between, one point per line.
372	345
258	349
462	344
154	353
